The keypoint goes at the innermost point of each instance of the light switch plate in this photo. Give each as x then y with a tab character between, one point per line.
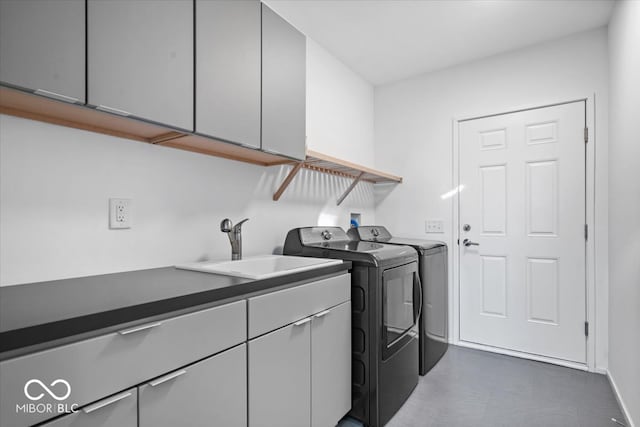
119	213
434	226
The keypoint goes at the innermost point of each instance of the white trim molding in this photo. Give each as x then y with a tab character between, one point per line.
616	392
523	355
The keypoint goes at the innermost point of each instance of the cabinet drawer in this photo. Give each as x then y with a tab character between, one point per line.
119	410
212	392
104	365
277	309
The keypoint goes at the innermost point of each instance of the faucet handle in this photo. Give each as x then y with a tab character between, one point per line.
239	225
225	225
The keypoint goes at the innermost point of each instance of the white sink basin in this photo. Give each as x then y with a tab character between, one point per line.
260	267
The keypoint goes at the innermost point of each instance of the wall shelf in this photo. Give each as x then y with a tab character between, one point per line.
332	165
26	105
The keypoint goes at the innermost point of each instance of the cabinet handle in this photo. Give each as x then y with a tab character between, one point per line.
57	96
167	377
302	322
322	313
101	404
139	328
113	110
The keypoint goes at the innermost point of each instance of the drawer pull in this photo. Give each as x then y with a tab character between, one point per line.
101	404
57	96
167	377
139	328
323	313
302	322
113	110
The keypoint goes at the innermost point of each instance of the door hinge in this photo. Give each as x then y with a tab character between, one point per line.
586	232
586	329
586	134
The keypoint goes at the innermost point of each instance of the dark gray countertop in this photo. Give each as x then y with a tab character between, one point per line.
47	312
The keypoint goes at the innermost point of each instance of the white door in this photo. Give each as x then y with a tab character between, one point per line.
522	287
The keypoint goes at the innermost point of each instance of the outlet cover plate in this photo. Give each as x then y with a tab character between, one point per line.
434	226
119	213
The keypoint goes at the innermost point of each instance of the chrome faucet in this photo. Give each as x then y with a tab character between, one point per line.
235	236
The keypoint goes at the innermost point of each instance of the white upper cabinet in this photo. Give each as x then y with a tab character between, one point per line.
228	70
283	87
140	59
42	47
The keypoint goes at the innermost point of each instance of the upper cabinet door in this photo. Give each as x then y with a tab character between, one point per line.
283	86
228	70
141	59
42	47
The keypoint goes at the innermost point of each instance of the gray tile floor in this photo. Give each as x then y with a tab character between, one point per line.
471	388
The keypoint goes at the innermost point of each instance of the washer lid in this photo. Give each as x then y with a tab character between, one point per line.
416	243
333	242
379	233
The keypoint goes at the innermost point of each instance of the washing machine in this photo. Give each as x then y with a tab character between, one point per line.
433	330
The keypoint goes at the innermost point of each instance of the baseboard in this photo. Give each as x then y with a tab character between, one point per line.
602	371
523	355
628	421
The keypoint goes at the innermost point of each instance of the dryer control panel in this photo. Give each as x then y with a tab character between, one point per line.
315	235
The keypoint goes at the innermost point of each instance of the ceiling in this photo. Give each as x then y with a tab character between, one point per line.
389	40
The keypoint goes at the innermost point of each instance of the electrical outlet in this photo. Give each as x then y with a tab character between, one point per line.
119	213
434	226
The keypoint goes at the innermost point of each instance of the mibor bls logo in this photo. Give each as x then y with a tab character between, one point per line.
35	390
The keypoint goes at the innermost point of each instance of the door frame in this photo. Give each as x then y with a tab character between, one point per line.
590	261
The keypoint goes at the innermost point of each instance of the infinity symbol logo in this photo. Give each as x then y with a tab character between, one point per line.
52	394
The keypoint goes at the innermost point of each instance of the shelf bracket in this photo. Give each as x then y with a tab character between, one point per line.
292	173
166	137
350	188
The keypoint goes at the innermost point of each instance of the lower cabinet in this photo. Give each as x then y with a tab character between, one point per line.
212	392
119	410
294	372
300	375
331	365
280	377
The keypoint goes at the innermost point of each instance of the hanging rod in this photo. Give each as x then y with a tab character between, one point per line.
332	165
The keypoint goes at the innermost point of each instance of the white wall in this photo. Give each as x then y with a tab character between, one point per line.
55	183
624	209
337	98
413	132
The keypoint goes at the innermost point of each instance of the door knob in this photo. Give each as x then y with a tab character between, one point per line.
468	243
